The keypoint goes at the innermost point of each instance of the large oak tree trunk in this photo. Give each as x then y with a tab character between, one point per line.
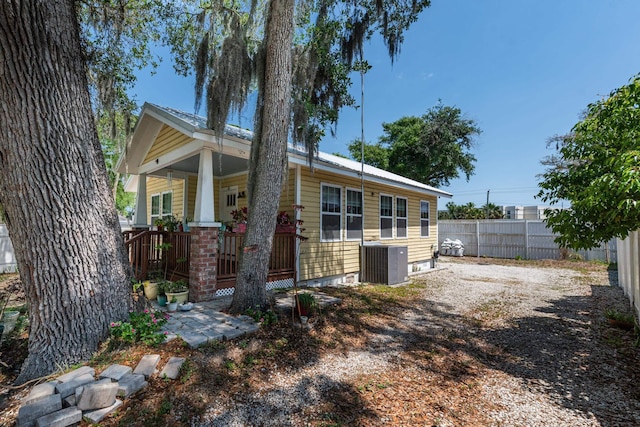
53	186
268	161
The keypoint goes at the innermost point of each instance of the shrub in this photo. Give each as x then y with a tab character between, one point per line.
141	327
265	318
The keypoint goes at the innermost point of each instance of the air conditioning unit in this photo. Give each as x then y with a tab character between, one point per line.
384	264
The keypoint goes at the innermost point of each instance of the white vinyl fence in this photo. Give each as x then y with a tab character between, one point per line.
629	268
527	239
7	258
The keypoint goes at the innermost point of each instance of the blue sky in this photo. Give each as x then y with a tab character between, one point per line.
523	70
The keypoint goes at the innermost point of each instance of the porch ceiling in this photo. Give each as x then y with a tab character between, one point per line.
223	165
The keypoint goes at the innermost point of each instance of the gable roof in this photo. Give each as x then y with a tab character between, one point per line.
154	116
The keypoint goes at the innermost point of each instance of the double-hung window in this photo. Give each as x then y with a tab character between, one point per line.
386	217
354	214
166	203
424	218
331	213
161	205
401	218
155	207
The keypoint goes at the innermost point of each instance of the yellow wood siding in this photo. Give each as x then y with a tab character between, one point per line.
319	259
168	140
159	186
287	197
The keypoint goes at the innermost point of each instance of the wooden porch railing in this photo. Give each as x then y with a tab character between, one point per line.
146	255
281	263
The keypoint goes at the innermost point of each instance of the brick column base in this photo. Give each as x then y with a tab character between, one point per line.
203	263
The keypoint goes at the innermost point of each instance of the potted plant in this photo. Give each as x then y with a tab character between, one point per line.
159	223
150	289
185	223
305	303
138	289
284	224
178	290
240	219
162	297
171	223
172	305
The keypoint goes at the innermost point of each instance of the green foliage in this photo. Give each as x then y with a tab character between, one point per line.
471	211
266	318
432	149
175	287
376	155
597	169
137	285
307	301
141	327
224	45
118	39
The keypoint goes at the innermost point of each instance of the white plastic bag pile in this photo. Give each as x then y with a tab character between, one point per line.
452	247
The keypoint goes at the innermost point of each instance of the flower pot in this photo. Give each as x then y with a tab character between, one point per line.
285	228
304	304
240	228
150	289
162	300
304	311
179	296
172	306
9	320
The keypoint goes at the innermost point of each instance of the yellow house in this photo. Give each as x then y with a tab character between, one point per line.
180	168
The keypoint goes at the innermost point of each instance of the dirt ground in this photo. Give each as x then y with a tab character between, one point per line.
479	342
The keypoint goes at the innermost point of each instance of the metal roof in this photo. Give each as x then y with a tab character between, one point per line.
326	160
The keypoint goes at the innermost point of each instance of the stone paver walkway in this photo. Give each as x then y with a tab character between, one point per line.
206	321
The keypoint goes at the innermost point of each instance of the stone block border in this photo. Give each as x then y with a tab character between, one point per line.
79	395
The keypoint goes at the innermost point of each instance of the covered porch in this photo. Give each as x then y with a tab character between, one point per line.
181	169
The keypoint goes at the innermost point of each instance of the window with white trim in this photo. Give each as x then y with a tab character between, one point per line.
424	218
155	207
166	203
401	217
386	217
161	205
330	213
354	214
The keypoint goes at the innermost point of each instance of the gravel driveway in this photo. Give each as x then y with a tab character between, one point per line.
554	368
533	343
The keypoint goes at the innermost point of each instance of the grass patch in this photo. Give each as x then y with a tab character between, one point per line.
490	311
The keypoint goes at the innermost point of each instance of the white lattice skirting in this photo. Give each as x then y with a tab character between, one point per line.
276	284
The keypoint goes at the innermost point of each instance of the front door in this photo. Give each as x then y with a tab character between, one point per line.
228	203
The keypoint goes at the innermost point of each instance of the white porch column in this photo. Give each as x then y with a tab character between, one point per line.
204	215
141	203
